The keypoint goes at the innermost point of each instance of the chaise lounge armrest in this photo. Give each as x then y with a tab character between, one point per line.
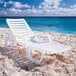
35	39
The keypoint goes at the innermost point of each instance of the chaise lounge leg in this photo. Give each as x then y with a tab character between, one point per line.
28	54
6	43
7	39
42	56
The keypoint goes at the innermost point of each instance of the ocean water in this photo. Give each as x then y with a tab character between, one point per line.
51	24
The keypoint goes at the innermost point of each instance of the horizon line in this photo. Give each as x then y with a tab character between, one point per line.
36	16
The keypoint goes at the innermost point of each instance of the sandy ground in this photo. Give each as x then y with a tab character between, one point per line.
15	63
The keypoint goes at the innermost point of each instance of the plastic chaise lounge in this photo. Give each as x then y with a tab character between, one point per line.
23	35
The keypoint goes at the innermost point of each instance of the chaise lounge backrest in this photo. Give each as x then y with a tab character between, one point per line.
20	28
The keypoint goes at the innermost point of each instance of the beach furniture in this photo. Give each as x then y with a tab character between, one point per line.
23	35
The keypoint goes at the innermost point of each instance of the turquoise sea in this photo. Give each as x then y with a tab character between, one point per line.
53	24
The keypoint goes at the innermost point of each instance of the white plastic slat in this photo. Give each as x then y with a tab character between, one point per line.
18	38
25	30
14	20
21	31
17	23
16	29
19	26
23	34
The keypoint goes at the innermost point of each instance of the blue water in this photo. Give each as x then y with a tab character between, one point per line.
51	24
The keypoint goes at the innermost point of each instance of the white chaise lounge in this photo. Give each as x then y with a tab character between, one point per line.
24	36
